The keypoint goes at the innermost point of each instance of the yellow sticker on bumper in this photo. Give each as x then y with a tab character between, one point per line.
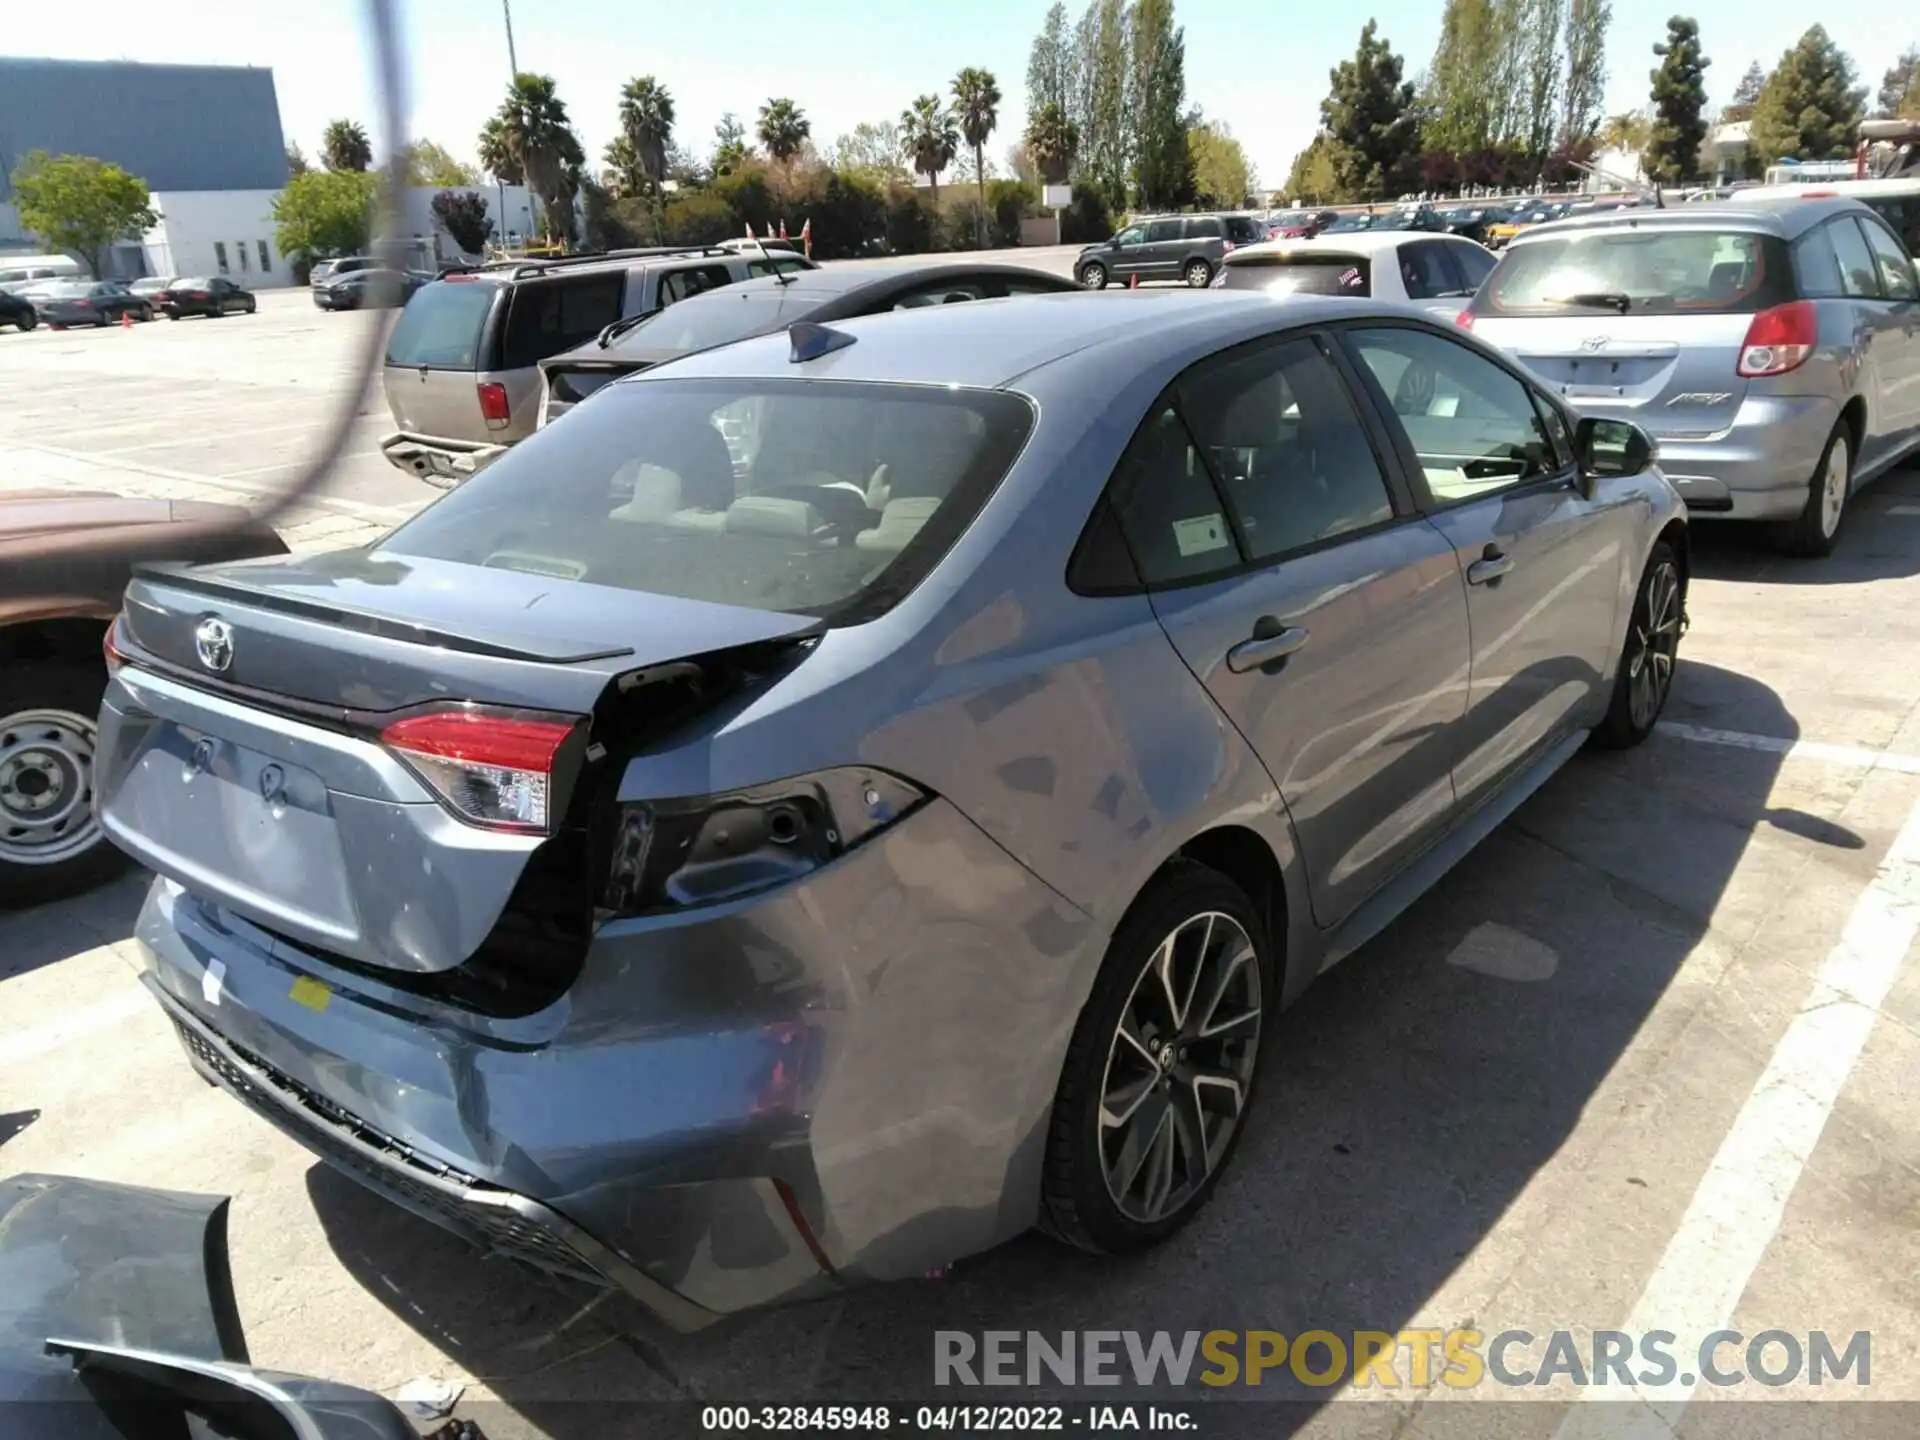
312	993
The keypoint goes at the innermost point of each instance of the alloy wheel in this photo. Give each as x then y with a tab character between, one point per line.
1656	645
1198	274
1833	488
1179	1067
46	787
1093	277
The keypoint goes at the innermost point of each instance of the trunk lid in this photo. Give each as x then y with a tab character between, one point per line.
240	750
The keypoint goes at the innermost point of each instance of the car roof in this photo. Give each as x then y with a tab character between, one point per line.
1787	217
990	344
1345	242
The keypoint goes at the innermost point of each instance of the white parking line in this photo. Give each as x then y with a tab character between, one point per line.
39	1039
1736	1210
1903	509
1854	755
200	438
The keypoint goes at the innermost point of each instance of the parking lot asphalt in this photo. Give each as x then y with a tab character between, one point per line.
1645	1060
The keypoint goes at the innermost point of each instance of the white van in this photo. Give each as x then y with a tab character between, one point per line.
19	271
1897	200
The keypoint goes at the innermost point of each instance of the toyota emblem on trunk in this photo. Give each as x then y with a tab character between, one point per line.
1594	342
213	643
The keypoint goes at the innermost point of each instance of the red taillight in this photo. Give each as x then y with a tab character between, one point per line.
458	279
493	402
1818	194
1779	340
493	770
1464	319
115	658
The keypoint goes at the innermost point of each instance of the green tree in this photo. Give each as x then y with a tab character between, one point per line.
1679	97
1811	105
296	160
344	146
325	213
871	149
783	129
1100	111
1900	87
976	105
1222	177
1746	95
1369	124
1053	141
1585	87
79	205
1541	72
929	138
1463	82
646	124
1630	130
624	179
1314	180
730	147
424	163
1050	64
463	215
1157	107
530	141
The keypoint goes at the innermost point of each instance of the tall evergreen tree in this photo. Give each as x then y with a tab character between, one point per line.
1463	80
1157	105
1541	19
1099	112
1745	95
1369	122
1586	84
1679	99
1050	64
1900	87
1812	103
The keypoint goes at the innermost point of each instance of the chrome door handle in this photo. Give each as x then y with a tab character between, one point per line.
1269	646
1489	567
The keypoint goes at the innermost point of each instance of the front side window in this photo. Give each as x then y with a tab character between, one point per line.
1475	264
1132	235
817	498
1280	434
1896	269
1474	426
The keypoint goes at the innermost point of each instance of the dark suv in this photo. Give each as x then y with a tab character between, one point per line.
463	363
1167	247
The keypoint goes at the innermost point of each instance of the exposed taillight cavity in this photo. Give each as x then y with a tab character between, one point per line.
1464	319
1779	340
492	769
110	651
493	403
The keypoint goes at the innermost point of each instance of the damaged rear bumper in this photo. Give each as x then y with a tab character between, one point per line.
438	459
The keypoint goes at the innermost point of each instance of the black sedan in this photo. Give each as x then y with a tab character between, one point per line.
762	306
17	311
371	288
89	302
203	295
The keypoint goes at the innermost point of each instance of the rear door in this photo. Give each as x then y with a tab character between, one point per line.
1166	246
1541	563
435	357
1638	322
1431	279
1327	620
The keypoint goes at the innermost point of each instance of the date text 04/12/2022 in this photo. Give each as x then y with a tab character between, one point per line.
944	1419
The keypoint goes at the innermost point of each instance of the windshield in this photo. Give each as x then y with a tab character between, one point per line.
1346	224
1633	271
717	318
818	498
1300	275
441	327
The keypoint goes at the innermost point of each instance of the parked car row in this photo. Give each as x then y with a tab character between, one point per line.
67	304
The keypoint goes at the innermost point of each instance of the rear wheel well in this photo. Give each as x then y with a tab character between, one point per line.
1247	860
66	638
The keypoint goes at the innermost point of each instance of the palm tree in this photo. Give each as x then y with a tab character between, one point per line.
540	144
496	153
930	139
646	124
783	128
1627	131
976	105
343	146
1054	142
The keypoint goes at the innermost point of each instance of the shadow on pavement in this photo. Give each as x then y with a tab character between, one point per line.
45	934
1875	543
1406	1103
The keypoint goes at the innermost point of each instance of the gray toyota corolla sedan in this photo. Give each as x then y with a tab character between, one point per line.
848	797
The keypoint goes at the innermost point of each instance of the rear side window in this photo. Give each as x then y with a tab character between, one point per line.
1424	270
677	285
1245	230
1857	278
1631	271
545	317
1203	227
814	498
1304	274
1896	270
441	326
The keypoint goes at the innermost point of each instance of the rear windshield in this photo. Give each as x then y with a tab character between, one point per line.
1632	271
1301	275
1347	224
1243	228
716	319
827	499
441	327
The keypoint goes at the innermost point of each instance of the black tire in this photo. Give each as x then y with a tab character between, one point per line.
27	321
1093	276
1649	656
67	686
1813	534
252	305
1077	1203
1198	274
173	314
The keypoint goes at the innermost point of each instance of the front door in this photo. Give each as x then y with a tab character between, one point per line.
1128	253
1325	617
1543	568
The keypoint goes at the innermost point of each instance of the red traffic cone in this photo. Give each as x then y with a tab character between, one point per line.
126	319
1133	281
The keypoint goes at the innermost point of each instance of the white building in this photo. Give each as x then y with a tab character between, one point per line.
213	232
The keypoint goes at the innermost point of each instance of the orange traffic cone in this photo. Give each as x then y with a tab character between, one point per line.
126	319
1133	281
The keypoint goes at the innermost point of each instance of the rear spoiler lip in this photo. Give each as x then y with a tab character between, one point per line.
369	623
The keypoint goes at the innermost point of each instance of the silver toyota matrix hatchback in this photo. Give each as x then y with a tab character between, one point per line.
839	800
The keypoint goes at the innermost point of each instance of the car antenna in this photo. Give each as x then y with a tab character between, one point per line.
810	341
780	277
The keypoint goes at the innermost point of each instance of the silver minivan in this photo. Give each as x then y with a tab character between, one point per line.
462	375
1771	346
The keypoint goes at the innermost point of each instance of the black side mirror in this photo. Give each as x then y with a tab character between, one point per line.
1611	448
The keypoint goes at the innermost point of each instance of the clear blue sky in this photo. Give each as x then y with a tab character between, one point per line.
1260	67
